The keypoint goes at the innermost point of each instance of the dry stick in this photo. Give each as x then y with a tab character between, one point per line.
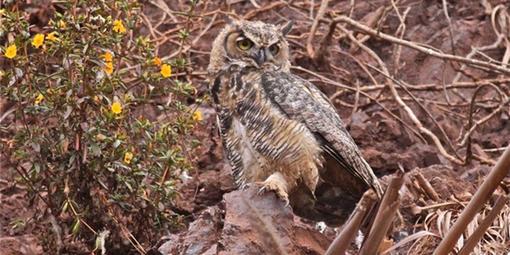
401	29
372	244
127	234
312	5
503	21
254	3
351	8
164	7
484	225
473	52
315	25
429	190
469	153
435	87
476	50
490	184
401	102
270	6
452	45
363	67
356	99
415	99
197	38
415	46
371	20
343	240
450	26
384	216
483	120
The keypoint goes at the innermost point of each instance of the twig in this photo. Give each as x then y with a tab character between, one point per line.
474	50
404	87
57	230
435	87
399	100
384	216
351	8
164	7
473	240
270	6
372	20
450	26
315	25
254	3
425	185
401	29
500	170
428	51
348	233
6	113
406	240
125	231
471	128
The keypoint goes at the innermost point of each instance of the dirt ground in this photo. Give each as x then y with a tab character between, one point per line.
218	219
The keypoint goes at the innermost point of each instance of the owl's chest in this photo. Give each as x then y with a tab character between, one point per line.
259	137
268	141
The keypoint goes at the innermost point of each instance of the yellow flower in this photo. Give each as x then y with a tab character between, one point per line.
108	68
2	11
52	36
118	26
166	70
107	56
38	99
116	108
197	116
128	156
38	40
156	61
10	52
62	24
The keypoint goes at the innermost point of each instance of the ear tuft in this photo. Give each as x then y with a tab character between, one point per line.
232	19
285	28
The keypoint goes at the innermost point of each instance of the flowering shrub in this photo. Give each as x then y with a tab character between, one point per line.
82	142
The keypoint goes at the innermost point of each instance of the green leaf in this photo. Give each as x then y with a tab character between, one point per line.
76	226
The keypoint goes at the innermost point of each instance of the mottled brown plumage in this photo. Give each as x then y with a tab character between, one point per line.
280	130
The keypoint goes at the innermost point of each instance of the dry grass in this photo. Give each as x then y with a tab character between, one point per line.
495	241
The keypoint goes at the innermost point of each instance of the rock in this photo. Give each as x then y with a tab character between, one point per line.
202	234
262	224
20	245
251	223
256	224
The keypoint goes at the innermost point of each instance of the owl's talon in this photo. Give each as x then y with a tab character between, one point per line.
276	183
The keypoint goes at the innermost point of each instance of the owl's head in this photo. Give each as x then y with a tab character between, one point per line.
254	43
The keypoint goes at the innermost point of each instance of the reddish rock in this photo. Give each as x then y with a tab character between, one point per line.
253	224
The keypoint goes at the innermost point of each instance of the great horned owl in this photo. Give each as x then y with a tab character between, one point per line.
280	130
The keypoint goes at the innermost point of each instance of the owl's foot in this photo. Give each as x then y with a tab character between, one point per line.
277	183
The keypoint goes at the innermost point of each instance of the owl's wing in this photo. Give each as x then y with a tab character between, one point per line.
302	101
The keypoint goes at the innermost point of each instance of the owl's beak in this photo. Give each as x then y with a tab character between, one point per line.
260	56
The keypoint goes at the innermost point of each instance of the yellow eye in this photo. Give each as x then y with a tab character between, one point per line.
274	49
244	44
